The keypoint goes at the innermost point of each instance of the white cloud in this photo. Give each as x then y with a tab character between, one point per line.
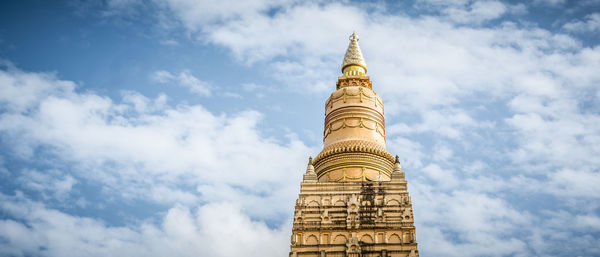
588	222
183	79
549	3
250	87
142	104
195	15
410	152
577	183
445	179
144	149
232	95
52	184
555	132
590	23
259	91
446	122
442	153
169	42
466	224
20	90
475	12
182	231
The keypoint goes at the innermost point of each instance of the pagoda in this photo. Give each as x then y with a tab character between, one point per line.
353	198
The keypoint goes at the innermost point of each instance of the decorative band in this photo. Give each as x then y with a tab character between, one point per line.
359	94
354	111
343	161
361	124
354	149
363	176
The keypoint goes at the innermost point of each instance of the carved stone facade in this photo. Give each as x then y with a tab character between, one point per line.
353	218
353	198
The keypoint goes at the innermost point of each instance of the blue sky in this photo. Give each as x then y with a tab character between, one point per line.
177	127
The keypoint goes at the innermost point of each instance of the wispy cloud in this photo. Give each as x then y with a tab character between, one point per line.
181	232
183	79
590	23
143	149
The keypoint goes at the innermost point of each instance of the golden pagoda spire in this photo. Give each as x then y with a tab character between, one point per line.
353	197
354	63
354	133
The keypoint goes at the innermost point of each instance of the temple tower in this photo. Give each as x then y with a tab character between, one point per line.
353	198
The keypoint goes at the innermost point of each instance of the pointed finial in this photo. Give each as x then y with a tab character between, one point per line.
310	175
354	64
309	167
397	174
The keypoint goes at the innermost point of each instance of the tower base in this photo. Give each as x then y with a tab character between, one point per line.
354	219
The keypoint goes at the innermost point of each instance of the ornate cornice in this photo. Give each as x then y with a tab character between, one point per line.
354	146
354	81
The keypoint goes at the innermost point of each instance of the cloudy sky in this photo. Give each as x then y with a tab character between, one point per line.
182	128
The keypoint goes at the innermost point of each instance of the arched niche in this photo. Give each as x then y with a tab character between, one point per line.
340	239
367	239
312	240
393	202
313	203
394	239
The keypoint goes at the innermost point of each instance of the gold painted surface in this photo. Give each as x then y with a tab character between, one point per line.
354	174
355	122
354	63
353	199
354	95
354	111
353	81
353	163
353	219
361	145
355	146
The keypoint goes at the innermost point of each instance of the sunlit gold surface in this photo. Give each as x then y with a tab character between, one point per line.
354	113
353	218
354	63
353	200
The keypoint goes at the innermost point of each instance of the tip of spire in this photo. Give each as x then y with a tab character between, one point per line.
354	62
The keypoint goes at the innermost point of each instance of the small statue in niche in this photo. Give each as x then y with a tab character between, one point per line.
379	216
406	213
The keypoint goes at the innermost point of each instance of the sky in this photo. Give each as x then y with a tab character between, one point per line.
183	128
